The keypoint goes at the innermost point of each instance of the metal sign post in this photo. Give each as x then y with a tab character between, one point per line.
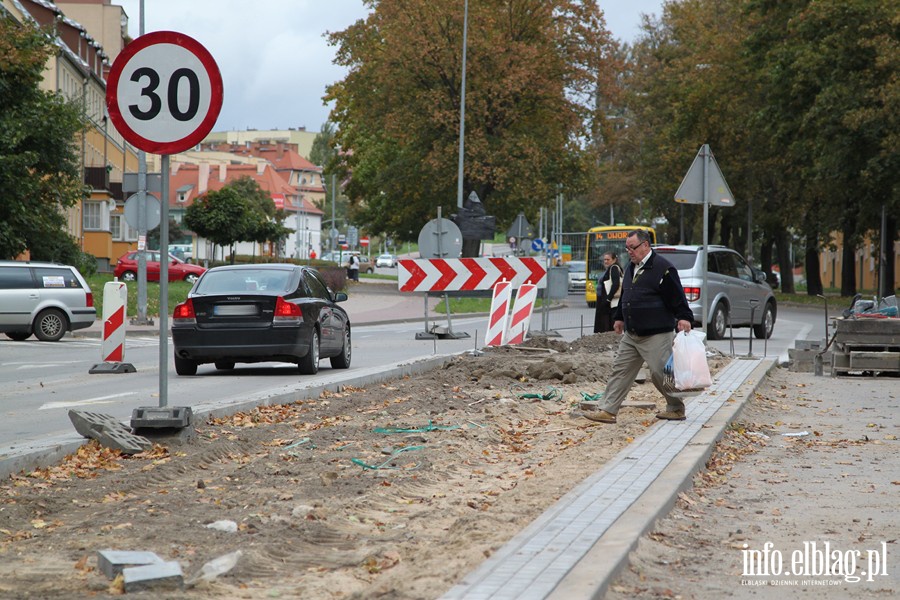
705	184
440	238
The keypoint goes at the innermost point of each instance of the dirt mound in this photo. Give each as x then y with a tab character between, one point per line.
398	489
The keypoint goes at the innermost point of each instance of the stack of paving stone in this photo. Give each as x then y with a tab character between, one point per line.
802	357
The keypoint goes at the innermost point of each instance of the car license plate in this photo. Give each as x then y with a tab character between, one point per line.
235	310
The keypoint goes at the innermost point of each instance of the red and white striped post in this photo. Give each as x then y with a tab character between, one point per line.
499	315
112	348
521	314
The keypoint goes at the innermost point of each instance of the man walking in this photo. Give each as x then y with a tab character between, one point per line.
353	268
651	308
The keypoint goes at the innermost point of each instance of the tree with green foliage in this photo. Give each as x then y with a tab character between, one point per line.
533	69
239	212
322	151
798	101
39	161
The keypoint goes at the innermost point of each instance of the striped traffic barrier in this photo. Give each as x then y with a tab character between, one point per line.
521	313
112	348
499	315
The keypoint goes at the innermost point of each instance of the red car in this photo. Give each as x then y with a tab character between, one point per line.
127	268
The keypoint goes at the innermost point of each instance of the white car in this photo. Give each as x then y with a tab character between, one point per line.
386	260
577	275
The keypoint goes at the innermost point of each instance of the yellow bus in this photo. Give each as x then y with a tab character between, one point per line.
601	240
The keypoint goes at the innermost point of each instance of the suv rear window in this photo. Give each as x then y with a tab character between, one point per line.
680	259
49	277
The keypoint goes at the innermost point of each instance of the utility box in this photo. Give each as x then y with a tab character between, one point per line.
558	282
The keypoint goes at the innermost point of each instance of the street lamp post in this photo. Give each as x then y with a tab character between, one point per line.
462	111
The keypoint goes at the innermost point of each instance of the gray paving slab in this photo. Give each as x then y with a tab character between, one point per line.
537	562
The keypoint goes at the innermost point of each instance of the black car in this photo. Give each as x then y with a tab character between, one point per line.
259	313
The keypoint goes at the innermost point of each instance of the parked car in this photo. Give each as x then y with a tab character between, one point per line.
127	267
577	275
183	251
736	290
260	313
365	263
386	260
44	299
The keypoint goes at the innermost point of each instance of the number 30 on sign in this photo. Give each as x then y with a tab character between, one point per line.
164	92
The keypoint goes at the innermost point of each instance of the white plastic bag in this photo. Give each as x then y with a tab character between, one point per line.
689	361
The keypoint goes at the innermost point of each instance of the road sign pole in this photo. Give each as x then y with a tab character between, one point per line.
164	285
142	226
703	301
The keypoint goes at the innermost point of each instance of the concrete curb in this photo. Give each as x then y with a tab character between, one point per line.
600	566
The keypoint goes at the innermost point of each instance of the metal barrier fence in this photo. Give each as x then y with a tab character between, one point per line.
569	314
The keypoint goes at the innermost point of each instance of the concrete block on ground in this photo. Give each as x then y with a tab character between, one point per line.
809	344
156	576
124	441
112	562
165	417
88	423
168	436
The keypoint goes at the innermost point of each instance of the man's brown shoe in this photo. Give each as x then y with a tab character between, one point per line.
671	415
601	416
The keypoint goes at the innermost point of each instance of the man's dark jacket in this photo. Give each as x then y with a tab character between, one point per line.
654	301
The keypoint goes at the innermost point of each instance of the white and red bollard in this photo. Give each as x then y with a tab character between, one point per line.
499	315
521	313
112	349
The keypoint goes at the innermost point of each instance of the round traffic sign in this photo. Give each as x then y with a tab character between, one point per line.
164	92
133	205
440	238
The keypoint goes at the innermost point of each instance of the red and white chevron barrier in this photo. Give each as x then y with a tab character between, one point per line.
521	314
115	298
112	348
464	274
499	315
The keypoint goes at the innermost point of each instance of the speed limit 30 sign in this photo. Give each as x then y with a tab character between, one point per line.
164	92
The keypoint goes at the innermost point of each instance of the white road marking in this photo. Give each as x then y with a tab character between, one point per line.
99	400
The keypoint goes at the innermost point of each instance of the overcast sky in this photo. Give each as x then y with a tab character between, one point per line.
274	58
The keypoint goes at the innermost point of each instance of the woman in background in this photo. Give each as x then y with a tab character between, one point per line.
609	288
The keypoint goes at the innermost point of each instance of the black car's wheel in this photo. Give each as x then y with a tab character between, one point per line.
225	365
185	366
309	364
763	331
18	336
129	276
50	325
342	360
718	323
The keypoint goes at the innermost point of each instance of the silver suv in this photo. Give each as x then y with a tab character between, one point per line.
736	290
45	299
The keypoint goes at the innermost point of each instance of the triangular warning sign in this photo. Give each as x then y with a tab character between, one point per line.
691	189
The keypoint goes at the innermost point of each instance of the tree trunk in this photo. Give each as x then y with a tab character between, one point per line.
813	271
783	247
890	276
765	257
848	264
